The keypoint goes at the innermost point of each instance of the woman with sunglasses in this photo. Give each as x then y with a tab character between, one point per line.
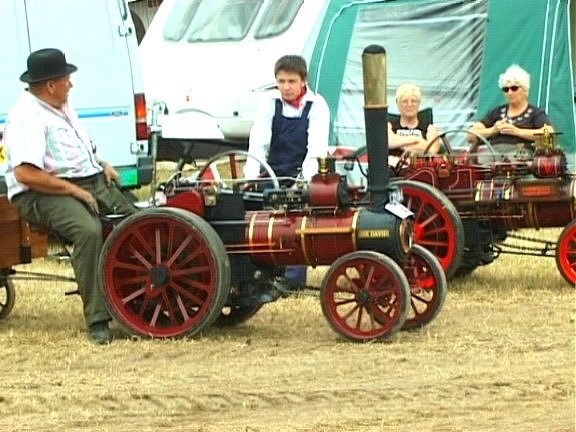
514	127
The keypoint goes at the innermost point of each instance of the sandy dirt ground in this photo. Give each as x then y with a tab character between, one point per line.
499	357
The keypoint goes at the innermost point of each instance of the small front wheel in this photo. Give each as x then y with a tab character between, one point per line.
365	296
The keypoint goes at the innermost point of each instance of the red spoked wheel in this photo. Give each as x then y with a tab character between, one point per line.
566	253
437	225
164	273
428	287
364	296
7	296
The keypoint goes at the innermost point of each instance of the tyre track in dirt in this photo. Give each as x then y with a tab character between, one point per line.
237	404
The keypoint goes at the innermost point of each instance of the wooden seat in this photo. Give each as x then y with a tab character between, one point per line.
20	243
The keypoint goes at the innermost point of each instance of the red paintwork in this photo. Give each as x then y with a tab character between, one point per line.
522	194
191	200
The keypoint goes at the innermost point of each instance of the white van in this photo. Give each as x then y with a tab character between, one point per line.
98	37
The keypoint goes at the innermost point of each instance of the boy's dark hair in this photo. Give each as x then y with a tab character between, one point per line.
291	63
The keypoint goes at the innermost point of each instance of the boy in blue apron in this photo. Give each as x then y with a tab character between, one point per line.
290	131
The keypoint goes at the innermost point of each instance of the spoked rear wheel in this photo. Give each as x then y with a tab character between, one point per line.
7	296
437	224
164	273
428	287
365	296
566	253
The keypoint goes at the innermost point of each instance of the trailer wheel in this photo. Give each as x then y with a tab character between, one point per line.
437	224
7	296
365	296
566	253
164	273
428	287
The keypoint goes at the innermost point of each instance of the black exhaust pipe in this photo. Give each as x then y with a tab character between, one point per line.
376	123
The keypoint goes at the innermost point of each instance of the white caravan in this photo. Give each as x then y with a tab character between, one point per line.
98	37
209	61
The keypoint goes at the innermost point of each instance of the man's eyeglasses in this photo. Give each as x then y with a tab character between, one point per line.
513	88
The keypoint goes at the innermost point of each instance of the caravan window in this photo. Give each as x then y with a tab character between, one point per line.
211	20
179	19
277	17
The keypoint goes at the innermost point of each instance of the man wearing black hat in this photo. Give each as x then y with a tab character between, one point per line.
55	178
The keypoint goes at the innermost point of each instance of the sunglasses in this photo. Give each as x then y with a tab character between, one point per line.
512	88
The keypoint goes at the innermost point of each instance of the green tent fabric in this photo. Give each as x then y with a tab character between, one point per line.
537	39
455	50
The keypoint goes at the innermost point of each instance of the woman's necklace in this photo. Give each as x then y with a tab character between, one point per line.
516	113
512	115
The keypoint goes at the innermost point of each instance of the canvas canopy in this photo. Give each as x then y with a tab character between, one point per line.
454	50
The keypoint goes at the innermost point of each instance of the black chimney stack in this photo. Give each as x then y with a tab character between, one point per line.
376	123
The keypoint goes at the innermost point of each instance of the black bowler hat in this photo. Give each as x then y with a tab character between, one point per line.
45	64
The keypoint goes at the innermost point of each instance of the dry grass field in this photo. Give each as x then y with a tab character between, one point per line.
499	357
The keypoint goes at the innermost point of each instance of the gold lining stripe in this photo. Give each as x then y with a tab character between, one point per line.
478	193
507	191
354	229
302	232
334	230
491	189
251	230
260	252
269	233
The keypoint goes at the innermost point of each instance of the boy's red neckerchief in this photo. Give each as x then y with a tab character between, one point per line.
296	102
